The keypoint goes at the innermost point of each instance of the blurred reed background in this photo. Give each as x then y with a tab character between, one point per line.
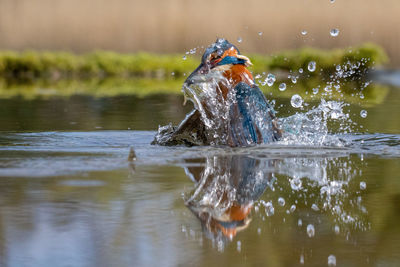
179	25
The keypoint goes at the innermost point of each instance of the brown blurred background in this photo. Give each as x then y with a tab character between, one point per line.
178	25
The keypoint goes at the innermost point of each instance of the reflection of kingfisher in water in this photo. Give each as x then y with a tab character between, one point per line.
229	107
226	188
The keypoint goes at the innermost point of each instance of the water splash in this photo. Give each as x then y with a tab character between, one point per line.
208	99
304	128
311	127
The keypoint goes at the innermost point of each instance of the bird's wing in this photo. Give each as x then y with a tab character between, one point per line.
252	119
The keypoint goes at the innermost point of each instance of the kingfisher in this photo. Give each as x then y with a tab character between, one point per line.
230	108
226	188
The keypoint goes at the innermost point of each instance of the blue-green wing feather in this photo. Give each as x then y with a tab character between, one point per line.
251	117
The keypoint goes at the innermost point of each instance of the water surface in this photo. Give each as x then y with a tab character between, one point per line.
70	197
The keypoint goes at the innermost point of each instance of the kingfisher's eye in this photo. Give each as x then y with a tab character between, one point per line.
215	57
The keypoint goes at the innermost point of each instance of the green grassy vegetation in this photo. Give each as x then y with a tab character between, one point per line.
140	87
103	74
33	65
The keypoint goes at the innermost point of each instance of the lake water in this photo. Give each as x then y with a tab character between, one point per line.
70	197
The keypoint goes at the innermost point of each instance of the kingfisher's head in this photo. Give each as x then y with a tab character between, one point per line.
218	57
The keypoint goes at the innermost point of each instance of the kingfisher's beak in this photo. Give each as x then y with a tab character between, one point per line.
246	60
197	75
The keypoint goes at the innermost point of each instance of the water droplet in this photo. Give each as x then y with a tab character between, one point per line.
363	113
303	32
296	101
239	246
338	67
270	79
301	259
260	33
315	207
312	66
292	208
184	57
337	229
294	79
191	51
331	260
300	70
334	32
328	89
315	91
295	184
363	185
269	208
239	39
310	230
281	201
299	222
332	1
220	245
282	87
